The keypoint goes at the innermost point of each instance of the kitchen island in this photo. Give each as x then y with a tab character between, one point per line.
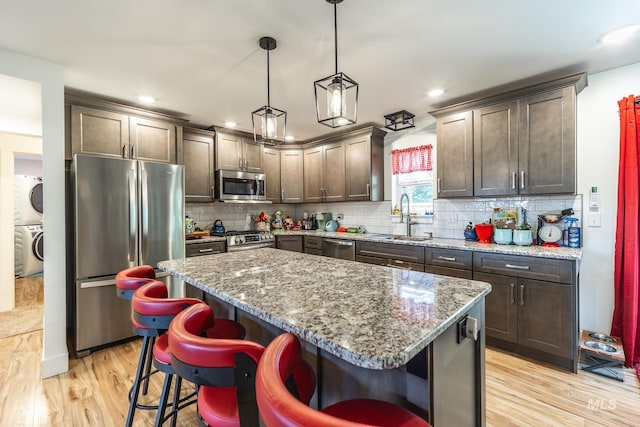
369	331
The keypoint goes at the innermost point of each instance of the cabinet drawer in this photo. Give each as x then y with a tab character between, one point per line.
386	262
313	251
313	242
410	253
547	269
199	249
451	258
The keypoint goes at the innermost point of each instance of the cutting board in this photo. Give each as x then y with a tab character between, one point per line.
196	235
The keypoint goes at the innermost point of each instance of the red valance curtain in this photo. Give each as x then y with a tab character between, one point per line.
627	249
412	159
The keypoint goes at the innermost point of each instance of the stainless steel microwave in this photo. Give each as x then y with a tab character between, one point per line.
238	186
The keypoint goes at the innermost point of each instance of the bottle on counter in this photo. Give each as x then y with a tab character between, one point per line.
574	238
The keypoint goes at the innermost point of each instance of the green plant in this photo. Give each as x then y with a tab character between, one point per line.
524	226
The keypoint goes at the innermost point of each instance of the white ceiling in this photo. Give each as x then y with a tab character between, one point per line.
201	59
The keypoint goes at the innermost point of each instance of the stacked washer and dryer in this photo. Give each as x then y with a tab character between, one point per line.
29	241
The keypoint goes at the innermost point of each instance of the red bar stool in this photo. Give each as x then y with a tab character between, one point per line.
130	279
222	369
153	311
127	281
282	369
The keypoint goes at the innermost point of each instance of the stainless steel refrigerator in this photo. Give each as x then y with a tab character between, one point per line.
127	213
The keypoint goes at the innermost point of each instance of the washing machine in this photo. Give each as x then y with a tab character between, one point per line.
28	202
29	250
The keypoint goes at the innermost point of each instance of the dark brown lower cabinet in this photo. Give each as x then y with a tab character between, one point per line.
531	317
289	243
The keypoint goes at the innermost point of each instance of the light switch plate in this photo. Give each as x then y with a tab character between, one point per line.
594	219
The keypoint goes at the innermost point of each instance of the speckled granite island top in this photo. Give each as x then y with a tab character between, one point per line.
373	317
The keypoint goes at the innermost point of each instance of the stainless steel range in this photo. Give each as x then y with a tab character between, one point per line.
246	240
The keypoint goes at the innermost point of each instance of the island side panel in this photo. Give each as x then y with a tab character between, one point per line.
458	376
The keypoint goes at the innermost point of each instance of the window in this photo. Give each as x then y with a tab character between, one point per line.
419	187
412	170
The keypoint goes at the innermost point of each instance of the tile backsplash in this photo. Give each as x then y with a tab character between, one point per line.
449	220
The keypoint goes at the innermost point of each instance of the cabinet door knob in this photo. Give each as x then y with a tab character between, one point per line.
513	297
513	180
522	179
439	186
368	190
124	151
521	294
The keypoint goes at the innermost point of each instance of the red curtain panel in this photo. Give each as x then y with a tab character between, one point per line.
627	249
411	159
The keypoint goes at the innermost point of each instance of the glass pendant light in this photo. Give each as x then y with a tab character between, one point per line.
338	105
269	123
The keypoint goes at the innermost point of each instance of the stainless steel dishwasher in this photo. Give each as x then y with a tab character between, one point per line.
341	249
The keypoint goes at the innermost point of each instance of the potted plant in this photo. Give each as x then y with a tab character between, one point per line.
522	234
503	235
470	233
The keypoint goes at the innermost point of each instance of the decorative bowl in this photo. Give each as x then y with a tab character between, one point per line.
484	232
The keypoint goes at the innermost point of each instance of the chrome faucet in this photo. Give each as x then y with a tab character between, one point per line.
409	222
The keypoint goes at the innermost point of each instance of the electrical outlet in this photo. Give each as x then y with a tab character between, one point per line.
452	217
340	216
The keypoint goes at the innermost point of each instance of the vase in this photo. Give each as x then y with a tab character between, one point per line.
484	232
503	236
470	235
522	237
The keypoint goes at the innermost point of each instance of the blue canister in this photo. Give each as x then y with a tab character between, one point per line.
573	233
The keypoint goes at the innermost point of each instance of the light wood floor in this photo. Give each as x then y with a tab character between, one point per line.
29	291
93	392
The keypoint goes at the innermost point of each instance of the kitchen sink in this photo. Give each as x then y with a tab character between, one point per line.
381	236
412	238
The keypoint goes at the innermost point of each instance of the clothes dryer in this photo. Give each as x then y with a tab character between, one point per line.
28	203
29	250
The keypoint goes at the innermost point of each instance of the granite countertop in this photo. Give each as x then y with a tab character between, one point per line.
374	317
436	242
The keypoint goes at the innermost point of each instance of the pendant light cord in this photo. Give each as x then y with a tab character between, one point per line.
335	32
268	86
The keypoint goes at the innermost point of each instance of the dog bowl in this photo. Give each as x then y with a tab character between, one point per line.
602	337
600	346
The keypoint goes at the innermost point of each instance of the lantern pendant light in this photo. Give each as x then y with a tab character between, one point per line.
337	95
269	123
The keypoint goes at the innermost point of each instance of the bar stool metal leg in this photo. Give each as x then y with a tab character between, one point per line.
136	383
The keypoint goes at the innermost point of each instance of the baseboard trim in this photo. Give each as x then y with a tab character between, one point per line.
55	365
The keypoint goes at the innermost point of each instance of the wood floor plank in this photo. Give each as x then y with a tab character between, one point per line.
94	392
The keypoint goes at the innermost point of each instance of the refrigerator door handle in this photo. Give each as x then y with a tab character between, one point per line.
97	283
133	220
144	210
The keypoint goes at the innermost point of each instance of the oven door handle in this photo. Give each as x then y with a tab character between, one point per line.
249	247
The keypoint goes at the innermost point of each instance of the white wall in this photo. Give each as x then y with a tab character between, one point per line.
598	156
55	356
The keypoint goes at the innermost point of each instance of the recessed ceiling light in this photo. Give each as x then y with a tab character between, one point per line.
230	124
146	99
618	35
435	92
289	138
